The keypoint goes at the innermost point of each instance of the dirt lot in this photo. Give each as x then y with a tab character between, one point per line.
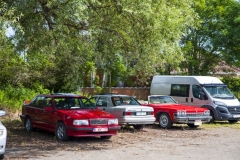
211	141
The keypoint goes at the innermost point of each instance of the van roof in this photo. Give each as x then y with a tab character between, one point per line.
186	79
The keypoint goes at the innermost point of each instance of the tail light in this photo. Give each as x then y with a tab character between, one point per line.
150	113
129	113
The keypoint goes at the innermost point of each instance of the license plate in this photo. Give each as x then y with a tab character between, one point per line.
141	113
236	116
198	122
100	129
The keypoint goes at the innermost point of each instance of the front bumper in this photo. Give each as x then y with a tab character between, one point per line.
192	120
227	113
136	120
88	131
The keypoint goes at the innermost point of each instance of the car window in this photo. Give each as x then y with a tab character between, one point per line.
47	102
37	102
124	100
102	102
73	103
161	99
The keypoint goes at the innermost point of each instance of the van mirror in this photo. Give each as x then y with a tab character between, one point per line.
201	97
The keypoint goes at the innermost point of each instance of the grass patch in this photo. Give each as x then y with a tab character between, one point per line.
219	124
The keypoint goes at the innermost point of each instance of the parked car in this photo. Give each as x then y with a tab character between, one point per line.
167	111
3	136
127	109
68	115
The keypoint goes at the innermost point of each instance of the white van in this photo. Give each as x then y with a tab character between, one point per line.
202	91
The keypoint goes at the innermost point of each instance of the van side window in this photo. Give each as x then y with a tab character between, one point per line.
198	92
180	90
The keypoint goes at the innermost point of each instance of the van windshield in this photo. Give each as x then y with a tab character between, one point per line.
221	91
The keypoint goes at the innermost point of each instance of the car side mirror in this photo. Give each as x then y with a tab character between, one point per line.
48	108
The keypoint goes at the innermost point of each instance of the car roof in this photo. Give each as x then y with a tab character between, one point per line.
111	94
61	95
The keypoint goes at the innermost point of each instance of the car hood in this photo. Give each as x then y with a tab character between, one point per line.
177	107
86	113
134	108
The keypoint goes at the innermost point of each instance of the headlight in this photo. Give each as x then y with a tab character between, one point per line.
206	112
80	122
217	103
112	121
181	113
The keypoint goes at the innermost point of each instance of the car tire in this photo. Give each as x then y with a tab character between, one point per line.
106	137
1	156
213	118
61	133
165	121
28	124
232	121
190	125
138	127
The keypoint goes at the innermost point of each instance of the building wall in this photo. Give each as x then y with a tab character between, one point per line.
139	93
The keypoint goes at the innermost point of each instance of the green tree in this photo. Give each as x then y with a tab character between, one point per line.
58	38
204	44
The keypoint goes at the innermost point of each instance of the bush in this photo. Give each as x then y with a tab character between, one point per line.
12	98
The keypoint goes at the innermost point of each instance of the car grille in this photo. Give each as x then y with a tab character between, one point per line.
194	114
190	115
98	121
234	110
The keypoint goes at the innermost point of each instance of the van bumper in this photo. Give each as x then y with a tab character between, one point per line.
228	113
192	120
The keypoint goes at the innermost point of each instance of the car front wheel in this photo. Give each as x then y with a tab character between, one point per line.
28	124
61	133
165	121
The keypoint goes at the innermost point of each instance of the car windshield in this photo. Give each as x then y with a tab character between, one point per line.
161	99
72	103
221	92
124	100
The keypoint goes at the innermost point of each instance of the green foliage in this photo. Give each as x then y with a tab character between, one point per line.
12	98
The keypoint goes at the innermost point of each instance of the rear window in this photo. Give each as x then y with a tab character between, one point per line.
118	100
72	103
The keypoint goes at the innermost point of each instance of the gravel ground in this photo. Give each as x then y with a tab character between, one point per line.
211	141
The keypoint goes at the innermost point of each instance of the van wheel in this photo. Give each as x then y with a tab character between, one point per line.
61	133
192	125
213	119
165	121
232	121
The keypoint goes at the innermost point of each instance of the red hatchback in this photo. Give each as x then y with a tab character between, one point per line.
68	115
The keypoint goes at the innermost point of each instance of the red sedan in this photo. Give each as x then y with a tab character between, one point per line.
68	115
167	111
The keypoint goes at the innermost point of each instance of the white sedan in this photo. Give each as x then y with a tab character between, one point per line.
127	109
3	136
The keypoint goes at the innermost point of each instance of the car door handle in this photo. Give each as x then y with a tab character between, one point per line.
103	109
191	99
186	99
